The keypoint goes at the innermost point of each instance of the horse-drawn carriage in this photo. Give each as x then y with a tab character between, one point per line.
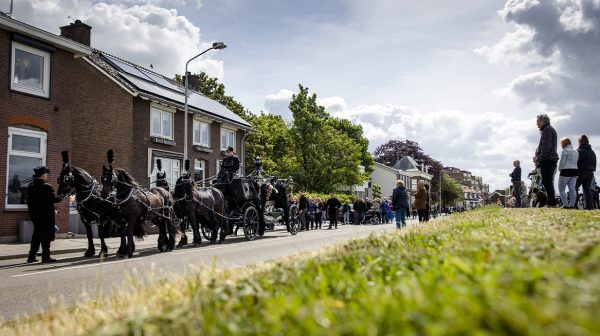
246	201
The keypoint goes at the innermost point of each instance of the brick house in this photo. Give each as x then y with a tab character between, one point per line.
88	101
36	103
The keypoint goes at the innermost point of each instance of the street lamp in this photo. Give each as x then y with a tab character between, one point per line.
215	45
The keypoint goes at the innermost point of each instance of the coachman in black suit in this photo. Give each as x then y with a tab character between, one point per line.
40	201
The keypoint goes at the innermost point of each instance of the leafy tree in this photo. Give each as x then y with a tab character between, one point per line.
327	149
452	192
271	141
392	151
376	191
211	88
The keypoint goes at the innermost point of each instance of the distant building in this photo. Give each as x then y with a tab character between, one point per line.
475	191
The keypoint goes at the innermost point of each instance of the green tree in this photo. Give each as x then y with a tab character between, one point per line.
376	191
271	141
327	151
211	88
452	192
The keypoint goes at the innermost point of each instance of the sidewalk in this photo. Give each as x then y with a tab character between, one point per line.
70	245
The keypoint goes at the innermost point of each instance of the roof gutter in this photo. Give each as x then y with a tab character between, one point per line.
78	49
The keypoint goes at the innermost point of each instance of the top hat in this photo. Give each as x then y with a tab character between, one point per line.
41	170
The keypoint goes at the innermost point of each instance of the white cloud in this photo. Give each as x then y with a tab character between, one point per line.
278	104
143	34
558	39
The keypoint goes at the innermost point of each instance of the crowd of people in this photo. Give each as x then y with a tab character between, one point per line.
576	169
313	212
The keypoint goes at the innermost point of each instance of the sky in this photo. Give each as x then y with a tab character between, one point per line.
465	79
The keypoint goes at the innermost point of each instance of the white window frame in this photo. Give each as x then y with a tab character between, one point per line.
218	166
43	136
202	165
224	146
45	91
172	175
162	112
198	124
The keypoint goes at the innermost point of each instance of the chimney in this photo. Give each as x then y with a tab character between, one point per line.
78	32
193	82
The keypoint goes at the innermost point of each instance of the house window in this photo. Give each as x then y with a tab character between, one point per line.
171	166
162	123
26	150
30	70
199	172
227	139
201	134
219	162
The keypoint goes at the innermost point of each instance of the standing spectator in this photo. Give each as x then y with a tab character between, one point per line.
318	213
420	203
302	210
40	201
291	200
376	210
515	178
359	211
400	204
390	211
567	167
333	205
368	204
383	209
546	156
586	166
312	209
346	213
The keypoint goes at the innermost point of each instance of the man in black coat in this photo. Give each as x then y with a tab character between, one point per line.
40	201
333	204
303	210
229	168
586	166
546	156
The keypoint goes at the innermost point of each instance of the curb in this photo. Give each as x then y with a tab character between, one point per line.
25	255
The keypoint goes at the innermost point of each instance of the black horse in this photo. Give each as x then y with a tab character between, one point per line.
90	205
276	190
199	207
136	205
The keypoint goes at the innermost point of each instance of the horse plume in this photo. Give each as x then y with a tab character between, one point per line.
65	157
159	164
110	155
187	165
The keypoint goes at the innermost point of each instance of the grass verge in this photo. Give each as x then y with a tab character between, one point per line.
490	271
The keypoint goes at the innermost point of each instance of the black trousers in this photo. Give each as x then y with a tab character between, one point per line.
318	219
548	168
333	219
585	180
422	213
517	193
36	241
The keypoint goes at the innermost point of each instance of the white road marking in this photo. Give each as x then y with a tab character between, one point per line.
173	253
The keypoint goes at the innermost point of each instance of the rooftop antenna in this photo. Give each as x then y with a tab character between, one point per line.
70	17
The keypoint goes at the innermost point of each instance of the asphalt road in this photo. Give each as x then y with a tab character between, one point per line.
27	288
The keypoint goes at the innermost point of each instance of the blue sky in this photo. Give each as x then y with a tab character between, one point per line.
465	78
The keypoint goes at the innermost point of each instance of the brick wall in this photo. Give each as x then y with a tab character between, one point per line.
54	113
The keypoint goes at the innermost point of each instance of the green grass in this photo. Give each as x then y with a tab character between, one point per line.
491	271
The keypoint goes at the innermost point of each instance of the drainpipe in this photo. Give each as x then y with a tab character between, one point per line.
243	154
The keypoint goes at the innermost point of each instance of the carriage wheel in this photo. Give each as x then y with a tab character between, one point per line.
206	232
250	223
294	223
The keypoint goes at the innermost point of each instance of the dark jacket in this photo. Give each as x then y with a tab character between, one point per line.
587	159
231	164
400	198
333	204
303	203
40	201
346	208
515	176
359	206
547	147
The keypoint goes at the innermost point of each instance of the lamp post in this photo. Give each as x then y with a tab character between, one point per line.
216	45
